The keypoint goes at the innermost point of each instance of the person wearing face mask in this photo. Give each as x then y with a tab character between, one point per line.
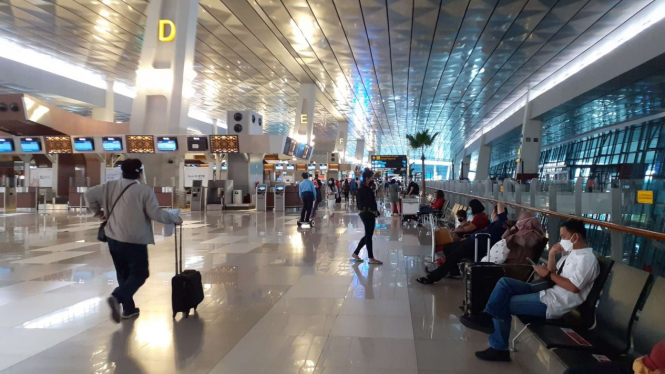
461	216
478	222
573	276
456	251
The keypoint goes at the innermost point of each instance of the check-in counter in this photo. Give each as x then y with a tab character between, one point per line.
292	199
26	199
77	197
164	196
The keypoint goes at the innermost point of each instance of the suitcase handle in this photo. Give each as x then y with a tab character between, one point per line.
178	270
478	235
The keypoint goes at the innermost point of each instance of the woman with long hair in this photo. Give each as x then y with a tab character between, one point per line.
346	187
368	212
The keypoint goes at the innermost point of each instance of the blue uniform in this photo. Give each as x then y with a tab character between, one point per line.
306	186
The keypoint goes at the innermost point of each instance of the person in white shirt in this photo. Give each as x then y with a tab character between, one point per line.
572	278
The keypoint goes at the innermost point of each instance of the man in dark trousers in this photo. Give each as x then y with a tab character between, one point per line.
129	208
307	193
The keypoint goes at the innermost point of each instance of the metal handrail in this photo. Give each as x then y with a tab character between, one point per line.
608	225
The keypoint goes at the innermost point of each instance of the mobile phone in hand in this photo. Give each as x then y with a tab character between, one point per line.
531	262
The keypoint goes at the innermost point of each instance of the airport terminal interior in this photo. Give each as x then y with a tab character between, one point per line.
283	137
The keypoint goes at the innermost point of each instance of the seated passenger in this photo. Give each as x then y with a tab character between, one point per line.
461	216
518	243
478	222
435	205
572	276
456	251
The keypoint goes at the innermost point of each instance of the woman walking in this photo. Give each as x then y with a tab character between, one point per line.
368	212
333	191
346	187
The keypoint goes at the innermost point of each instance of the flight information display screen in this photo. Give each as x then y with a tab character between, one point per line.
389	162
84	144
167	144
6	145
31	145
311	166
290	167
279	167
197	143
112	144
290	146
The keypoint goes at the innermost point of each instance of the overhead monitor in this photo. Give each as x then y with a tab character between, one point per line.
389	162
323	166
290	146
307	153
31	145
279	167
311	166
300	149
290	167
167	144
112	143
197	143
84	145
6	145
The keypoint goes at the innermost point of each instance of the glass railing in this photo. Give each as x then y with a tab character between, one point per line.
619	225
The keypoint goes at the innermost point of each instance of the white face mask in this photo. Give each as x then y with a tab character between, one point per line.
567	244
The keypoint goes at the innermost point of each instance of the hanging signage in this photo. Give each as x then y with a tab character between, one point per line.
389	162
644	197
162	30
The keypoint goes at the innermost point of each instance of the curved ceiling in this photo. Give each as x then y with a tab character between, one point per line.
387	67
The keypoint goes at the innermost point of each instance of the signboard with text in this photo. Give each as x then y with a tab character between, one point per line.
645	197
191	174
389	162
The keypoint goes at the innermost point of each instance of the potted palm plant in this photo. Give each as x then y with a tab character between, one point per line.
420	141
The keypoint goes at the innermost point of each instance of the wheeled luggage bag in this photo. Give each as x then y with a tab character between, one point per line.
187	288
480	279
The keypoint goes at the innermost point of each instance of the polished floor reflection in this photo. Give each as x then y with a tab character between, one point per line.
278	299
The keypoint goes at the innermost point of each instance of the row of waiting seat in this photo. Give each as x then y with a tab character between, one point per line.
603	324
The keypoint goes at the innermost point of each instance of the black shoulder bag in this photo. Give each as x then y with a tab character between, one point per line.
101	234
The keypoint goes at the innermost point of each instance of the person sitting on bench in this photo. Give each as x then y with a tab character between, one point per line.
653	363
478	222
572	278
456	251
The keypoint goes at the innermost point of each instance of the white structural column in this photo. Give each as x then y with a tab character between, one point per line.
531	140
106	113
342	137
305	113
466	164
360	150
483	167
163	81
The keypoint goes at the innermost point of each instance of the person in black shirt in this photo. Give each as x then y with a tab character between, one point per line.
413	189
368	212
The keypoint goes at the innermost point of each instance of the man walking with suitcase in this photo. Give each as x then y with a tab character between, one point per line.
307	193
128	207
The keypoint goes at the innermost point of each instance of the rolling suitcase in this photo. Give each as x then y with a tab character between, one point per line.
187	288
480	279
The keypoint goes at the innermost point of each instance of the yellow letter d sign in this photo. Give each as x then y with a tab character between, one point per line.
162	30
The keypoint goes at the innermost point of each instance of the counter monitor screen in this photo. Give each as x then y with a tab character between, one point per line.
279	167
167	144
323	166
279	188
197	144
31	145
84	145
6	145
224	167
311	166
111	144
262	188
290	167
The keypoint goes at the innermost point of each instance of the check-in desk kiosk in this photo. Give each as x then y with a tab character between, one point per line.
280	197
261	197
164	196
215	196
198	196
26	199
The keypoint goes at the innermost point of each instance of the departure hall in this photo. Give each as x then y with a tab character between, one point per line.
332	186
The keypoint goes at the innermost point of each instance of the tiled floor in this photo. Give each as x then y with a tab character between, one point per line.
279	299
